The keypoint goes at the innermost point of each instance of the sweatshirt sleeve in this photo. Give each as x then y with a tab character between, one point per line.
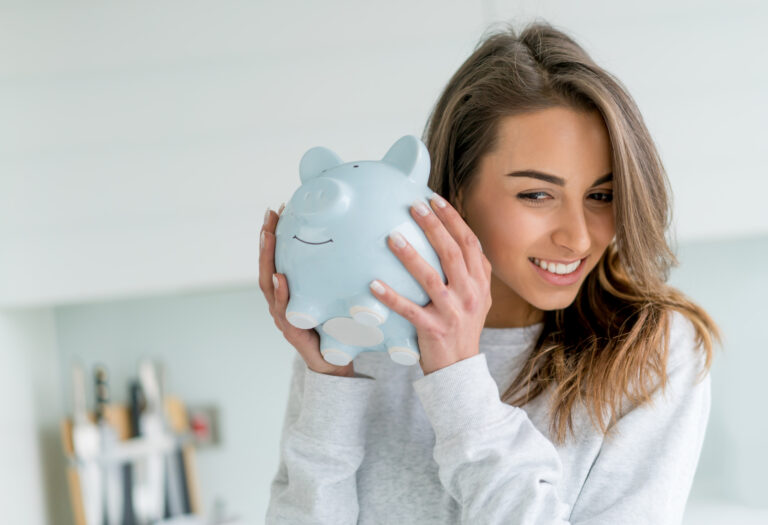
644	471
321	448
496	464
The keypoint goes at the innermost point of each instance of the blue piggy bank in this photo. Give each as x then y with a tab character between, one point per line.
331	242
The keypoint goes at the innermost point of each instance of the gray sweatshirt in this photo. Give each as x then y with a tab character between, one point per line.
392	446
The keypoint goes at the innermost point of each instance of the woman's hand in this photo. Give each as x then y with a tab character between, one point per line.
275	289
449	327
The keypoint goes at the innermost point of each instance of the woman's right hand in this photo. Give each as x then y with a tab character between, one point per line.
275	289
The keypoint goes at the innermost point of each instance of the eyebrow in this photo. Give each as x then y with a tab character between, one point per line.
553	179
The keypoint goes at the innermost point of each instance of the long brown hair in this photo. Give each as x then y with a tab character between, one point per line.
613	340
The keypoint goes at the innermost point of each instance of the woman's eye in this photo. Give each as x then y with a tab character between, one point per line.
531	196
606	197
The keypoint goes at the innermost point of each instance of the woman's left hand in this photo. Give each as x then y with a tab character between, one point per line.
448	327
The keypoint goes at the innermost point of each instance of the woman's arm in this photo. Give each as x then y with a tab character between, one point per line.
321	448
501	469
644	473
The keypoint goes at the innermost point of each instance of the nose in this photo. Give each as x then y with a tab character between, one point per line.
572	232
322	198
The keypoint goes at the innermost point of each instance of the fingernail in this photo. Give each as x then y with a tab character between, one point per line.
275	281
438	200
377	287
262	240
398	238
282	207
266	215
420	208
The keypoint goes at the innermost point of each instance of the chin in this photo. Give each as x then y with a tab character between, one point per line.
553	301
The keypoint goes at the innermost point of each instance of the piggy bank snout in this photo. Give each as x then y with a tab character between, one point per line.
322	196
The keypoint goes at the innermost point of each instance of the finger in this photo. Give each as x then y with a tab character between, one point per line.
267	256
282	294
488	267
429	279
280	287
411	311
461	232
451	256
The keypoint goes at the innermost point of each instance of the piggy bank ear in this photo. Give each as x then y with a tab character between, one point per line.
315	161
410	156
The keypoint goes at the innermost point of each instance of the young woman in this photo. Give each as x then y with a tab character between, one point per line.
561	379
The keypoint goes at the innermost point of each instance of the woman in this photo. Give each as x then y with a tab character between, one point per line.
561	380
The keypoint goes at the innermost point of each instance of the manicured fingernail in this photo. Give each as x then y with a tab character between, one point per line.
262	239
282	207
275	281
398	238
266	215
421	208
438	200
376	286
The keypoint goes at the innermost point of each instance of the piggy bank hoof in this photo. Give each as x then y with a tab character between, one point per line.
300	320
402	355
336	357
366	316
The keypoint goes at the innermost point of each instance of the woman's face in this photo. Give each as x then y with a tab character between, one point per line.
519	216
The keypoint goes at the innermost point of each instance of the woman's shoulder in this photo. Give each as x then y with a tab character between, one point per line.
684	348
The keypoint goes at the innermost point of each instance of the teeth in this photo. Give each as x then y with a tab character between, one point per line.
557	268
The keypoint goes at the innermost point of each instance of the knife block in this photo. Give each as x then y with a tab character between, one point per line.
118	416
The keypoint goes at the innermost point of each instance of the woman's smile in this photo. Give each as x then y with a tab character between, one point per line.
560	279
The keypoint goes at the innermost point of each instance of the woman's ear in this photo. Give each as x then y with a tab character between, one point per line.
458	204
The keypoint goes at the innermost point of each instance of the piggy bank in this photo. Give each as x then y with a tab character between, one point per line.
331	242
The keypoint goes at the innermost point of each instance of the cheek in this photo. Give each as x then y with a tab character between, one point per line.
512	233
602	228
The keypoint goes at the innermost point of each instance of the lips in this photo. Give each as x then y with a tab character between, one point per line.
557	279
314	243
566	263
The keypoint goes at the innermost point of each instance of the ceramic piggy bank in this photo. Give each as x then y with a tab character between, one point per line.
331	242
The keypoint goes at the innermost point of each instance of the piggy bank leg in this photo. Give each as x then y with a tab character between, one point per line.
302	314
367	310
403	350
335	352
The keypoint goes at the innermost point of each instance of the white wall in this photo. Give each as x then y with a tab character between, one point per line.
31	463
725	278
146	139
141	142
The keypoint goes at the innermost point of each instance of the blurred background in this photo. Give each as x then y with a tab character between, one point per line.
141	143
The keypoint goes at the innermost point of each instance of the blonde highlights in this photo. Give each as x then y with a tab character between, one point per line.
613	340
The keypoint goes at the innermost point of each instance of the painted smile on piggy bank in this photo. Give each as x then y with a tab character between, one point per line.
307	242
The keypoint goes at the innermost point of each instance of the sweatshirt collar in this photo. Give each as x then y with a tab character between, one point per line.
521	335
